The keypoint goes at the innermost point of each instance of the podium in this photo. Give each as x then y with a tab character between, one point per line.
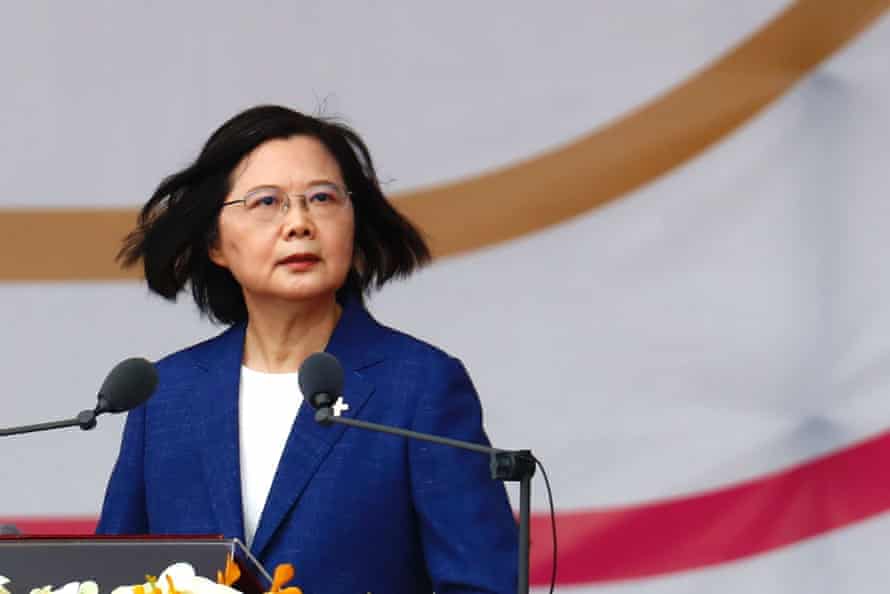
111	561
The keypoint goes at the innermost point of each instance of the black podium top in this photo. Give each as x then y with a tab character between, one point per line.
111	561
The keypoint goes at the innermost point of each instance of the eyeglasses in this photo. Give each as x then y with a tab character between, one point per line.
271	204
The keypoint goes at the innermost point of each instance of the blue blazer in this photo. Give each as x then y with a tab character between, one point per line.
354	511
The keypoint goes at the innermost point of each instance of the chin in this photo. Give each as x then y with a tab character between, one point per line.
305	293
302	289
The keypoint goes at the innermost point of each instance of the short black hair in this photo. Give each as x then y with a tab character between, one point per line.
179	223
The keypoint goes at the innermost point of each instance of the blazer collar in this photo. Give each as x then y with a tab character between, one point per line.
357	342
215	423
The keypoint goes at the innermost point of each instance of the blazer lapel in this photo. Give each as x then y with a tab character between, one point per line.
309	443
215	423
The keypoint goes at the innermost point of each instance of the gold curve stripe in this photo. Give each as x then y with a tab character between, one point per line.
594	170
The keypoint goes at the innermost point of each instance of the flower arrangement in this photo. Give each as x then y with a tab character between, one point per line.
179	578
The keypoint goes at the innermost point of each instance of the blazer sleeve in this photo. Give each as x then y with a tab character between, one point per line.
124	509
468	532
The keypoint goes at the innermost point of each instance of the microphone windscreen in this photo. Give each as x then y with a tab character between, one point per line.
128	385
321	373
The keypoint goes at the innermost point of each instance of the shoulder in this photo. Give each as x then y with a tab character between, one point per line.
419	367
200	356
401	343
401	346
360	341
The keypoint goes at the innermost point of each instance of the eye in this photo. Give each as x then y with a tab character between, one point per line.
322	197
263	201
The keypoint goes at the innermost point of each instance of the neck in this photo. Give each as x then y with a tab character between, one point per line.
280	336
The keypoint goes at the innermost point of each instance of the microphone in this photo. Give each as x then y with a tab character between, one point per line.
128	384
321	381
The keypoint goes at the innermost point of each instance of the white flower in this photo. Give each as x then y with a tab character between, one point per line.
184	580
69	588
88	587
202	585
3	581
182	574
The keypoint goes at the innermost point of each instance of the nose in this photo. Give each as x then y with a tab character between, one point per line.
297	222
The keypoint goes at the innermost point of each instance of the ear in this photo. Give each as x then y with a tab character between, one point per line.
359	265
216	255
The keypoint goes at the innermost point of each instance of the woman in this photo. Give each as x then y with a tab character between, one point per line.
279	227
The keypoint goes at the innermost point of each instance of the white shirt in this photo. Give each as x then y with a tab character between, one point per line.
267	407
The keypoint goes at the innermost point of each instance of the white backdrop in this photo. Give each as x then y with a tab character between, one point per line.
725	323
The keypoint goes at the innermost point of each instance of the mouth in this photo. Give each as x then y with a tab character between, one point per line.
300	261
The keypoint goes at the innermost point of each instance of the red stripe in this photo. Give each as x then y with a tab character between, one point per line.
686	533
67	525
724	525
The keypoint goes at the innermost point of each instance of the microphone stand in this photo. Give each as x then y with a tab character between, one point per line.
85	419
506	465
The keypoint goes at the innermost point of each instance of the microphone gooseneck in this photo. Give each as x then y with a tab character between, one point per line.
130	383
321	380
